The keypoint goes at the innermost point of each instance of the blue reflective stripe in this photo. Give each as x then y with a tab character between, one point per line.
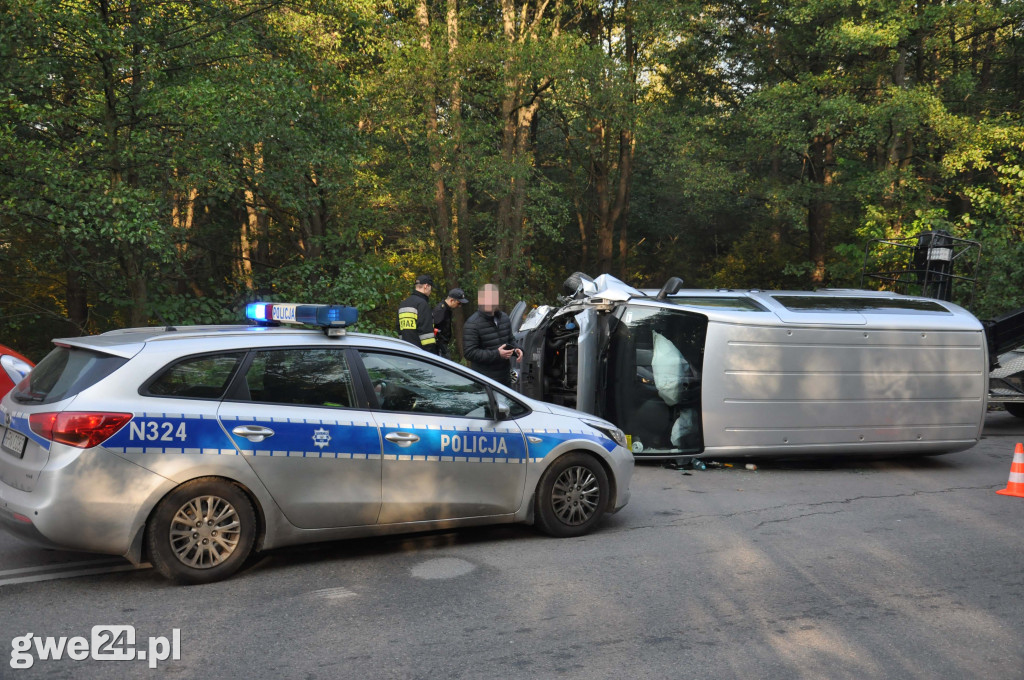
551	440
313	438
170	433
193	434
449	444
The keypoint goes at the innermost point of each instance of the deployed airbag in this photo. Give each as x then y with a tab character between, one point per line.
671	370
684	426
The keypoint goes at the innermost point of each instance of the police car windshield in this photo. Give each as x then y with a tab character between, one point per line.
65	372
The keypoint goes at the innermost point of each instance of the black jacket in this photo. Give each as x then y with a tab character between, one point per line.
443	324
482	335
415	323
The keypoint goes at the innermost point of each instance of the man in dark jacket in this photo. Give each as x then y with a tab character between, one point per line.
415	322
443	319
487	338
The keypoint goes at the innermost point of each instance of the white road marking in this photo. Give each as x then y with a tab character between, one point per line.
52	572
339	593
60	565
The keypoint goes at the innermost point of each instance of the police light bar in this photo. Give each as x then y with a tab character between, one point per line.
332	318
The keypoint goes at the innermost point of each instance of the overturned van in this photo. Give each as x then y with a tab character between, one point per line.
761	373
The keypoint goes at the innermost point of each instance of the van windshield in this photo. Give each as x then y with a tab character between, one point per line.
65	372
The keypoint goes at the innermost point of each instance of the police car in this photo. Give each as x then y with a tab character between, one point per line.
193	447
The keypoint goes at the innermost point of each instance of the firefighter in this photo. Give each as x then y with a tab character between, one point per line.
415	322
443	318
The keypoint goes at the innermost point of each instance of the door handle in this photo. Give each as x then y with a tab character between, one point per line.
254	433
403	439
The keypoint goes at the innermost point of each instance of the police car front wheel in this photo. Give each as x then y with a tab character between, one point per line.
203	531
572	496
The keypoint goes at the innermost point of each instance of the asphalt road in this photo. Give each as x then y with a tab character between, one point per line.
905	568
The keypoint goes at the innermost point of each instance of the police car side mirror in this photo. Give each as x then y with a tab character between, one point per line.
498	410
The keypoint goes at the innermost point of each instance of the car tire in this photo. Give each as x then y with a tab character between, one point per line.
201	532
1014	408
572	496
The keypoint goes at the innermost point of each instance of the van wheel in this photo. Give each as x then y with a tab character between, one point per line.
1014	408
203	531
572	496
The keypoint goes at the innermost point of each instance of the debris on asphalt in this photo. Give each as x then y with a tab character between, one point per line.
698	464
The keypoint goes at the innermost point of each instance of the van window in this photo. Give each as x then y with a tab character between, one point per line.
63	373
864	305
733	304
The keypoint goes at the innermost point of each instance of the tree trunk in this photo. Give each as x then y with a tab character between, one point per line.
518	116
463	235
255	219
819	210
441	215
76	293
135	275
612	163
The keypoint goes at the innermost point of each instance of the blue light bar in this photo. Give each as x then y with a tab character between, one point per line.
323	316
256	311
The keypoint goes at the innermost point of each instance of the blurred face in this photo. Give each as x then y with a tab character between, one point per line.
453	303
487	298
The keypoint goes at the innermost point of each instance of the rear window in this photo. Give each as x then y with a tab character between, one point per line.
864	305
65	372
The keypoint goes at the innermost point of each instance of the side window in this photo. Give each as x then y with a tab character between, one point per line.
312	377
410	385
200	377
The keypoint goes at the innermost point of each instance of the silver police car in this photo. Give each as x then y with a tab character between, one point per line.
193	447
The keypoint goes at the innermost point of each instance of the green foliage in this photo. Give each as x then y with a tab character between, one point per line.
168	161
373	287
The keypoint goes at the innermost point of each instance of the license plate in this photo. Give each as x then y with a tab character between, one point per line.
15	442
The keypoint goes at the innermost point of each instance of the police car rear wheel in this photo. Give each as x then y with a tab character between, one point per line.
572	496
203	531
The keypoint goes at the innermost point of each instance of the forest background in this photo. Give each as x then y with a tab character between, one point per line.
168	161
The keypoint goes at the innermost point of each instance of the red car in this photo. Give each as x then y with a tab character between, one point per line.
15	367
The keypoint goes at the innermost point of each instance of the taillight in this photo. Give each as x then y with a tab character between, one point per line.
77	428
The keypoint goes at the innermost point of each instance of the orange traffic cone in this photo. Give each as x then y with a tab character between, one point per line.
1015	487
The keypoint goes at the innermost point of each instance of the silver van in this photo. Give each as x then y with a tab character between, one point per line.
761	373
